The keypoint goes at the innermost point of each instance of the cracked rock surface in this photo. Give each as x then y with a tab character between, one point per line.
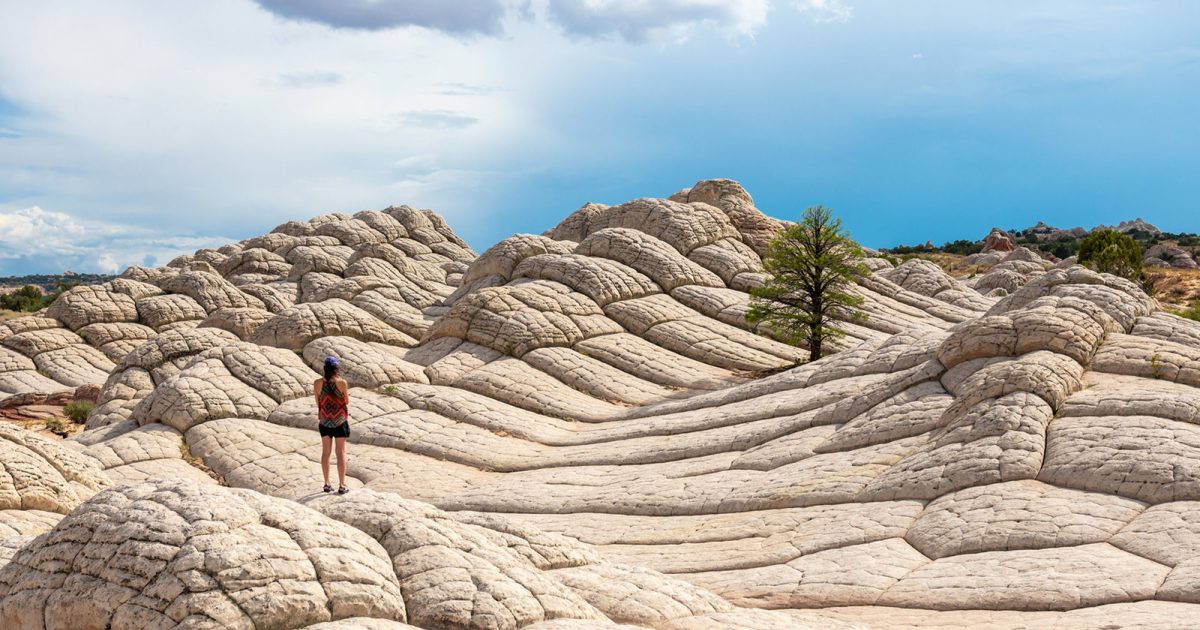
580	429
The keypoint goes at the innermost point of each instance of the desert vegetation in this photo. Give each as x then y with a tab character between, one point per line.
34	297
811	268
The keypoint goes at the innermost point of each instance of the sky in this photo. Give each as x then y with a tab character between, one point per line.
135	130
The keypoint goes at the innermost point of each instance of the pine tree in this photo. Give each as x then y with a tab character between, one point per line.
812	266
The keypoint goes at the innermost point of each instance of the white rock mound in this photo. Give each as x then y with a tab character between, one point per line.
572	430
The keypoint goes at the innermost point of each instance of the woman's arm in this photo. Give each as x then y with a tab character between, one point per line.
317	393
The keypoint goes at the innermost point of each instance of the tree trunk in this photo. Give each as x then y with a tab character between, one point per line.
814	344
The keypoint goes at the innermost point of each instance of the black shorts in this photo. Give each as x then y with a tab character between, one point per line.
340	431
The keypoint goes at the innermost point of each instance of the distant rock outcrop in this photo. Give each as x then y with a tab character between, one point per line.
998	241
1136	225
1163	255
1047	233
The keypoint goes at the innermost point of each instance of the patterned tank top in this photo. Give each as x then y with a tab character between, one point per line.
332	406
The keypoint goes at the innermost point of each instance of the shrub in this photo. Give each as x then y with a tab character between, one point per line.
1192	313
1189	240
57	427
78	411
28	299
963	247
1108	251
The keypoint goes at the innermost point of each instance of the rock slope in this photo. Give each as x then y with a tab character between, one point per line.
574	430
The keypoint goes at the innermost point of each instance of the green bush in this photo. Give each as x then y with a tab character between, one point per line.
1192	313
78	411
963	247
1189	240
1108	251
1064	248
57	427
28	299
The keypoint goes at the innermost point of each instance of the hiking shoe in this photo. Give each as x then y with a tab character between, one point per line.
343	489
327	488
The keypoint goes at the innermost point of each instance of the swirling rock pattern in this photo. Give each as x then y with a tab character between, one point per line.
177	554
574	430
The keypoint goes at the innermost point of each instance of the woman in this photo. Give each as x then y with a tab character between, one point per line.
333	414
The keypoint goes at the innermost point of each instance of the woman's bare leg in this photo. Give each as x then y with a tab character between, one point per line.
341	460
326	446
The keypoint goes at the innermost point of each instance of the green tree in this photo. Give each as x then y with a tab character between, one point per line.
28	298
1108	251
811	266
963	247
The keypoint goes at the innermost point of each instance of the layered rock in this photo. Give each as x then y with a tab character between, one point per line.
1163	255
378	276
573	430
998	241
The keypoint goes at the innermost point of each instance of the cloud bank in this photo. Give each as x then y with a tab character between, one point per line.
36	240
632	20
825	10
456	16
222	118
638	21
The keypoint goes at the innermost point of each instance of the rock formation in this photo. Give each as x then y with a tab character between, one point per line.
1137	225
575	430
998	241
1163	255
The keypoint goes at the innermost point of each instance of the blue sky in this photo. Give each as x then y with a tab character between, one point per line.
137	130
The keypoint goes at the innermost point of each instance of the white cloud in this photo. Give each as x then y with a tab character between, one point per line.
36	230
632	20
179	119
458	16
451	88
637	20
37	240
825	10
436	119
107	264
307	79
218	118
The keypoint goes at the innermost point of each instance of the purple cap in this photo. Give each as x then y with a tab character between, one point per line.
331	361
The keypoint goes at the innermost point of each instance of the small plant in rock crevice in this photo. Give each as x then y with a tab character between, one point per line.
185	453
78	410
57	427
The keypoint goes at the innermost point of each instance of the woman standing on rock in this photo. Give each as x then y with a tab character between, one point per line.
333	413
